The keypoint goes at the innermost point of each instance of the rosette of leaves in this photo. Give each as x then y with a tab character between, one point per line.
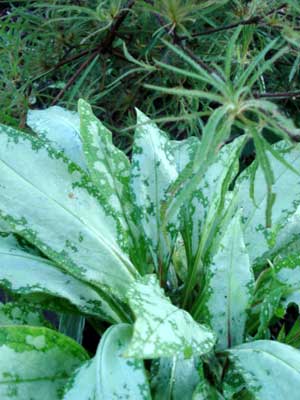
169	248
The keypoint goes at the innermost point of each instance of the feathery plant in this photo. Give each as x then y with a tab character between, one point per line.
232	89
61	52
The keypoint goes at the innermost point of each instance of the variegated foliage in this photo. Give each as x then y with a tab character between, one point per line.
170	247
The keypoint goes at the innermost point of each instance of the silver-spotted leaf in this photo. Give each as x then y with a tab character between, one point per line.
214	133
287	272
161	329
63	215
4	227
110	375
228	291
36	362
120	377
27	274
268	309
271	370
108	166
22	313
82	384
153	170
205	391
184	151
62	128
109	169
206	206
262	241
175	378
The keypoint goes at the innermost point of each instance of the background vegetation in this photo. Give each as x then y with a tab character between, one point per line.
107	52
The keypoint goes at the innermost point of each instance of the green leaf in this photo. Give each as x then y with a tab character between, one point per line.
28	275
184	151
17	313
82	384
233	386
4	227
109	169
36	362
108	166
215	132
268	310
293	337
115	369
276	121
63	215
153	170
110	375
228	291
260	58
161	329
263	242
205	391
176	378
264	163
270	369
202	94
211	78
287	272
206	206
62	128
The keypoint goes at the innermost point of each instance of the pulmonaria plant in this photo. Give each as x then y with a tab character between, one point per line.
170	248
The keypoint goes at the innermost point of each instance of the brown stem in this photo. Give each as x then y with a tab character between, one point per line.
102	48
249	21
198	60
110	37
277	95
177	41
74	77
73	58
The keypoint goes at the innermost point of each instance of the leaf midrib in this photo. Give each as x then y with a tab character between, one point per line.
271	355
29	380
51	264
89	228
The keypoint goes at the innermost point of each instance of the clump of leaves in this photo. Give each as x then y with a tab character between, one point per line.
170	248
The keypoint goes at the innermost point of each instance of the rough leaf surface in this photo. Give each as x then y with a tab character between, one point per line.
161	329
